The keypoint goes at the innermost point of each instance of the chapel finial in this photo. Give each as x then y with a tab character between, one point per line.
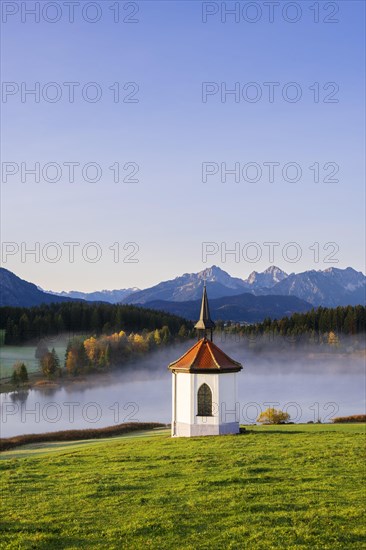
205	322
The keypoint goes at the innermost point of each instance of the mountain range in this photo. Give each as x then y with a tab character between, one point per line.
330	288
111	296
232	298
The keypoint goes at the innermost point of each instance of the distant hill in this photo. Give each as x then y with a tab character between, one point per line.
242	307
14	291
110	296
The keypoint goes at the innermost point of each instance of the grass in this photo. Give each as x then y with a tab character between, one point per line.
37	449
280	487
9	355
72	435
26	353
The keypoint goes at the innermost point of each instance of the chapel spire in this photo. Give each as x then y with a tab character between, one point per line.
205	322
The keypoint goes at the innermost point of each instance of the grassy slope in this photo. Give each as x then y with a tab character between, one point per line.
279	487
9	355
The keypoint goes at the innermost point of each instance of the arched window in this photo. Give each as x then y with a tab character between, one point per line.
204	401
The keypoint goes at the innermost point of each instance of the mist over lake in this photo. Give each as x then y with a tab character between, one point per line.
311	385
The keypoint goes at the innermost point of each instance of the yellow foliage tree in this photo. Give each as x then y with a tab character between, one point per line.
333	339
273	416
72	362
90	346
157	337
139	343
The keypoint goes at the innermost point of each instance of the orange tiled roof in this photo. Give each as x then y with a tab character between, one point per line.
205	356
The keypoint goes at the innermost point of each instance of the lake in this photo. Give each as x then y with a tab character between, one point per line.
309	386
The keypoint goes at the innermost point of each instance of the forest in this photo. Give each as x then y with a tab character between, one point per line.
321	325
25	324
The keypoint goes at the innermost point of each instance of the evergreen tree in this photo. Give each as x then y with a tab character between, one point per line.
23	374
24	328
165	335
349	325
19	375
14	380
41	350
56	361
49	364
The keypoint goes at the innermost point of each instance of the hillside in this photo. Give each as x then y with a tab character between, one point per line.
243	307
110	296
282	487
14	291
189	287
331	288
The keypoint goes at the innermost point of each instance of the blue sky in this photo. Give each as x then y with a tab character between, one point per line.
170	132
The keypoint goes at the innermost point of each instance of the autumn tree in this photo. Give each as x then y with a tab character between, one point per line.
182	334
157	337
50	364
333	339
273	416
77	360
138	343
71	362
90	345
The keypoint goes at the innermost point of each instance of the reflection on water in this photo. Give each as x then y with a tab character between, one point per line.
311	386
19	396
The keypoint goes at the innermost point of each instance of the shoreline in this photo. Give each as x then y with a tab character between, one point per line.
37	381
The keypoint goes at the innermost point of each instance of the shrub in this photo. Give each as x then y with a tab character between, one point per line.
346	419
273	416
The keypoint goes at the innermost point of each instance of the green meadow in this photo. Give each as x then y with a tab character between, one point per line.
9	355
282	487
